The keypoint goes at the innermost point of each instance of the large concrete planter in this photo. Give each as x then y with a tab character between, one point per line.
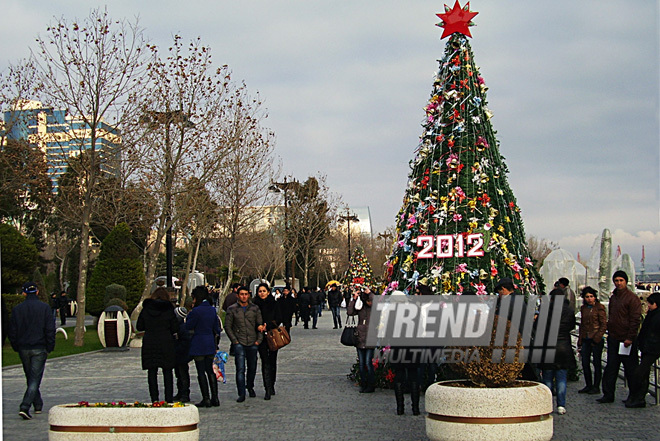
457	413
68	423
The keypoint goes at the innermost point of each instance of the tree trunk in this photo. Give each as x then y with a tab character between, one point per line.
230	276
186	277
82	275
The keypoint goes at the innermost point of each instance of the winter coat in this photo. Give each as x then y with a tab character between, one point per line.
649	335
205	325
593	323
241	324
287	306
564	350
270	311
32	325
334	298
182	347
304	300
625	315
363	319
159	324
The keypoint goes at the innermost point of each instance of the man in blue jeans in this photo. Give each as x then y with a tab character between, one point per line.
32	335
241	323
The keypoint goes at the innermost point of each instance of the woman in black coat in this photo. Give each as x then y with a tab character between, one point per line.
649	345
159	324
270	313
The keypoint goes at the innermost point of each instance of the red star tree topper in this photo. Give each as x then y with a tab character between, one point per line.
457	20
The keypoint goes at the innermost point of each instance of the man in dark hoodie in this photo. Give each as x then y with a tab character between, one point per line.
32	335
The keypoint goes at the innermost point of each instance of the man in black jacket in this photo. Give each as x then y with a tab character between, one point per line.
32	335
334	302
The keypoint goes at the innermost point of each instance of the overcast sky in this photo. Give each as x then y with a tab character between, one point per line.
574	86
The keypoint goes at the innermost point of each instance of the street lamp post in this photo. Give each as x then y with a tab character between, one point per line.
348	218
167	118
284	187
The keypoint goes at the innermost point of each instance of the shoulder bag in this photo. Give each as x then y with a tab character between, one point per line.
349	336
277	338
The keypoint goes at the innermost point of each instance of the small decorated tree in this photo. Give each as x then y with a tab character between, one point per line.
359	270
459	227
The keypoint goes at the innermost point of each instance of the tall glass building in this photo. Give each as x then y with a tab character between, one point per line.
61	136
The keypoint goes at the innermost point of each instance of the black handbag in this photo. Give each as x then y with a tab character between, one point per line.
349	336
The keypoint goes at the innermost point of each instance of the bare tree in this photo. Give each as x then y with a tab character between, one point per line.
91	68
539	249
198	215
312	209
240	188
182	132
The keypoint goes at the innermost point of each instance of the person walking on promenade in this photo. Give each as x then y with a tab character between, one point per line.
287	308
231	299
241	324
649	345
272	317
593	324
204	323
557	371
182	349
159	324
32	335
334	302
622	326
315	299
63	306
304	306
296	297
365	354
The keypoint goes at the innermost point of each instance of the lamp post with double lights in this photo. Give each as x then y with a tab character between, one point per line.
284	187
348	218
154	119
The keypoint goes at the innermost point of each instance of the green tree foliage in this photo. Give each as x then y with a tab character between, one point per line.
19	258
459	227
25	188
119	262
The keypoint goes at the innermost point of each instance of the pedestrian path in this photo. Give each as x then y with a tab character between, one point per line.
314	401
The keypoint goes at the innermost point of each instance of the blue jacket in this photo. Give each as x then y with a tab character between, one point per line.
205	324
32	325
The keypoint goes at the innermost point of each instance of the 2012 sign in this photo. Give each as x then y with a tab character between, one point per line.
449	245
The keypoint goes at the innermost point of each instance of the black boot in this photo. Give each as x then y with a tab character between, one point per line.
398	393
363	386
214	393
414	397
204	388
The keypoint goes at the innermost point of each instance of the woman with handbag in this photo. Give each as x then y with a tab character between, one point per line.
360	305
271	315
203	321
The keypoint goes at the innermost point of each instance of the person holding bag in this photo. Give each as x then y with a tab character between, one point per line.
360	305
272	317
203	321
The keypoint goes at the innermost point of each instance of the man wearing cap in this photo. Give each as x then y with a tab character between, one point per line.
625	314
32	335
334	302
562	284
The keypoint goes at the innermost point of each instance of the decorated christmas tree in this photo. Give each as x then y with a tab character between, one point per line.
359	270
459	227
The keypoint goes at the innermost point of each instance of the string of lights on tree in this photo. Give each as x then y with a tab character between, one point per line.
459	227
359	270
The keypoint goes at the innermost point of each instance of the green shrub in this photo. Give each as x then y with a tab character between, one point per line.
114	291
19	258
12	300
118	263
117	302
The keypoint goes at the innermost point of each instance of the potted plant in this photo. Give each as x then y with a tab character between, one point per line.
123	421
489	404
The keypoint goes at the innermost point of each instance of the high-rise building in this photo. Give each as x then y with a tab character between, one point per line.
61	136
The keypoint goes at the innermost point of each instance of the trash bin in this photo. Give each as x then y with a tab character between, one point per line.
114	327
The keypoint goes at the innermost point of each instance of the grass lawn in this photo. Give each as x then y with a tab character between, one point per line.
62	347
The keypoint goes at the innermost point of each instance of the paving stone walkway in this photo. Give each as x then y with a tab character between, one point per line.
314	399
